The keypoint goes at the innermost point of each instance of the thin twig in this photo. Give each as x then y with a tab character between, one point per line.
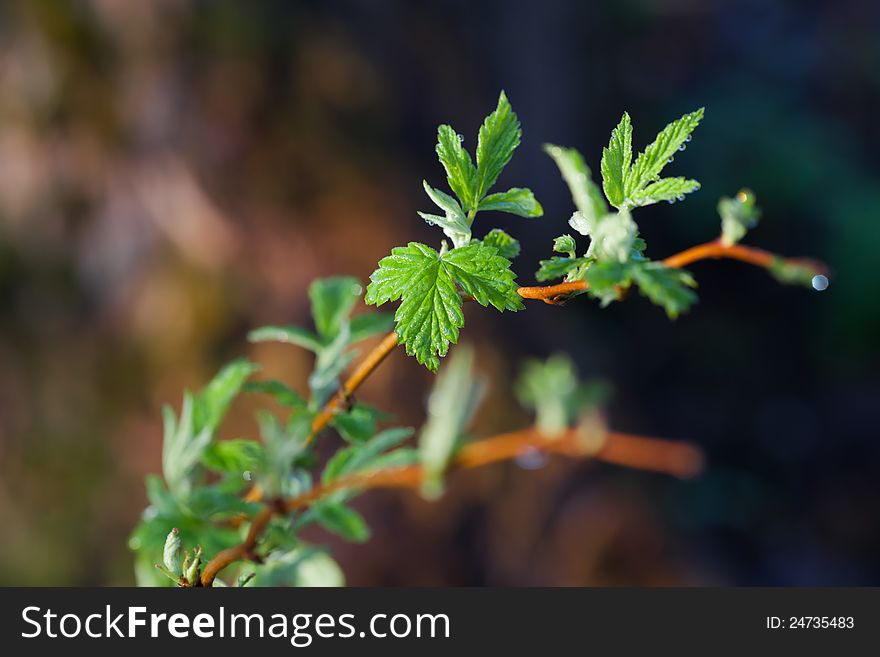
665	456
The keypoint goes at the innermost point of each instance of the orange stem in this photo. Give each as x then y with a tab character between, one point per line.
664	456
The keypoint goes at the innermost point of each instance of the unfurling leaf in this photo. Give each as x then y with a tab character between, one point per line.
171	553
565	244
585	193
507	246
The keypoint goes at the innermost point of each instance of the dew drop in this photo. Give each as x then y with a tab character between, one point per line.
531	459
246	475
460	138
679	198
669	161
819	282
670	201
682	147
689	137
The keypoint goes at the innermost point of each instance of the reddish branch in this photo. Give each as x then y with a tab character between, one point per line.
664	456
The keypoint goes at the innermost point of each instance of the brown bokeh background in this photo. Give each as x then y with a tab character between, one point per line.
175	173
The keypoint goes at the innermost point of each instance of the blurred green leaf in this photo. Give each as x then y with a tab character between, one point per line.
565	244
366	325
359	423
233	456
332	301
666	287
454	398
290	334
738	216
302	566
558	267
586	194
547	388
342	520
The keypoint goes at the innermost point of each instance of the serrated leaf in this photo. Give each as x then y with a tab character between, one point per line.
655	157
585	193
461	174
507	246
498	138
666	287
665	189
616	158
738	216
332	301
454	398
366	325
290	334
430	315
516	201
558	267
454	224
565	244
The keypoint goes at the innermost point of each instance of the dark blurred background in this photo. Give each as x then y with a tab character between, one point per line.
174	173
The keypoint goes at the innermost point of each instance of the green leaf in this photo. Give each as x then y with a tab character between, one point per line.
607	279
738	216
342	520
366	325
460	171
507	246
280	391
291	334
454	398
364	456
430	316
498	138
565	244
547	389
233	456
359	423
665	189
516	201
586	194
797	272
658	154
171	552
332	301
613	236
301	566
666	287
557	267
454	224
282	445
185	440
616	162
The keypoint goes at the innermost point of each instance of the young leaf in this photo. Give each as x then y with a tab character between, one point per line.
366	325
586	194
430	316
340	519
453	400
498	138
301	566
460	171
607	279
516	201
738	215
666	287
332	301
171	553
359	423
291	334
454	224
616	162
565	244
506	245
282	394
548	388
364	455
557	267
665	189
612	237
233	456
650	163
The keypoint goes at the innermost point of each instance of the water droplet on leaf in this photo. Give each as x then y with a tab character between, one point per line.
531	459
